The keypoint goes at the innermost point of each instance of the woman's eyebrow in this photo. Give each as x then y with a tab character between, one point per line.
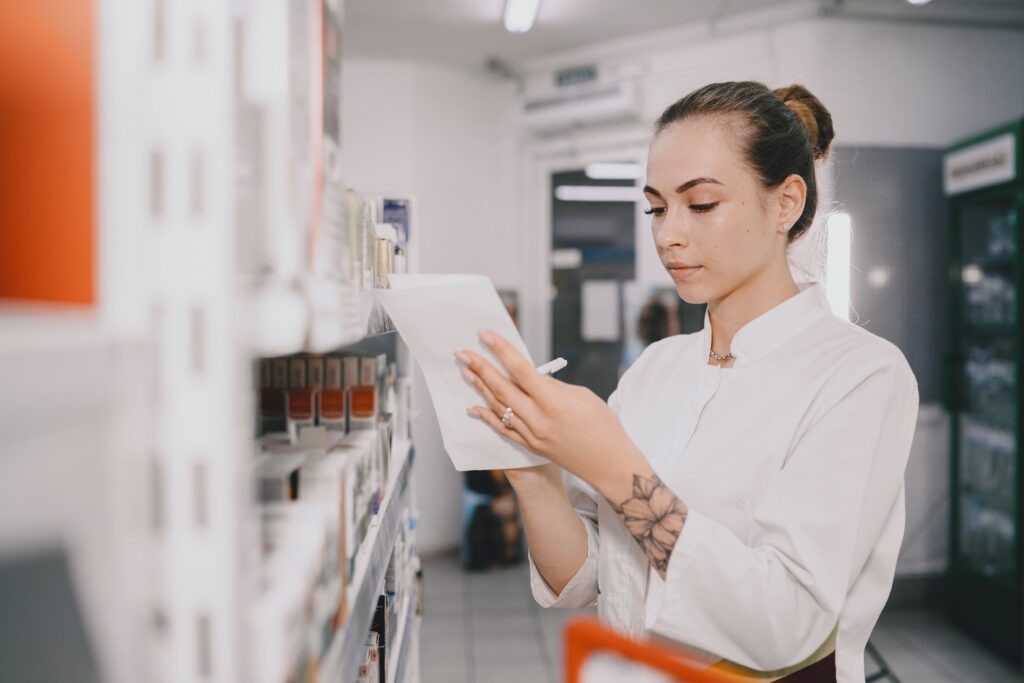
684	187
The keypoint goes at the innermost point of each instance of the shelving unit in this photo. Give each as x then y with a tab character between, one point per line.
368	579
132	414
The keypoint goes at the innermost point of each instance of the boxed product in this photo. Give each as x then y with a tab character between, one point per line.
300	398
271	415
362	395
332	396
277	476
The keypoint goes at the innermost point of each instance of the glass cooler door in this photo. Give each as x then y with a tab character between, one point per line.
986	525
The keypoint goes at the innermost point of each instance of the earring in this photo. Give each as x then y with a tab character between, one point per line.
785	226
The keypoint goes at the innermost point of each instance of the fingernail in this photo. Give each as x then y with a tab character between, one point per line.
471	412
468	375
487	337
462	357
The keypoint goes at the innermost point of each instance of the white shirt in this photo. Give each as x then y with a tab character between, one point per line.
791	464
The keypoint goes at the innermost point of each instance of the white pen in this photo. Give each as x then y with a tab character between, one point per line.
552	367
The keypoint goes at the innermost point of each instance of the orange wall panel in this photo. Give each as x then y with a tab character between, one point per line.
47	151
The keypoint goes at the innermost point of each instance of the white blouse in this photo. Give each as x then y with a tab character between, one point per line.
791	464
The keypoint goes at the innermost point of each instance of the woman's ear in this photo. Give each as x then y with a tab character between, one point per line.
791	195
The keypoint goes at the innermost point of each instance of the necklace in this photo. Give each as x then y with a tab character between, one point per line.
721	358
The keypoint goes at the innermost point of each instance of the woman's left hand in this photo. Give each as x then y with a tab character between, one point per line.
567	424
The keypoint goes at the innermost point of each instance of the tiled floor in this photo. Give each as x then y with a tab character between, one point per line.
486	628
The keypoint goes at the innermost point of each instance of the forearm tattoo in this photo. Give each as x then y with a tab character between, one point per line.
655	517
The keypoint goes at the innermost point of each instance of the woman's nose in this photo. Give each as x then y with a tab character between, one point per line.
670	232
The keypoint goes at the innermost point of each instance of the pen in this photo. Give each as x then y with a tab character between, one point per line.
552	367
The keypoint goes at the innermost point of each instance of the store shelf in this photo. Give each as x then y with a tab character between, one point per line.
368	578
397	659
316	315
340	313
278	317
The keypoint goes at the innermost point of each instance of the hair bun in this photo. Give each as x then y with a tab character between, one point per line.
815	117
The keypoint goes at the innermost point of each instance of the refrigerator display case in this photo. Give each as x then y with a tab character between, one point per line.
983	183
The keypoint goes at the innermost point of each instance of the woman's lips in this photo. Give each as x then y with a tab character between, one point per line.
684	273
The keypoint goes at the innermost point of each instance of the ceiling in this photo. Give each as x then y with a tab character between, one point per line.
469	32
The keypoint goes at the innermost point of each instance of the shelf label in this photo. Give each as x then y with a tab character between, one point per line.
987	163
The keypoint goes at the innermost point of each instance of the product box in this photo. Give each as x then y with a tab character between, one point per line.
398	213
315	381
362	397
277	477
332	397
300	403
272	416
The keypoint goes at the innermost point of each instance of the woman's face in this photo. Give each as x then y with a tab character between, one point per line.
713	225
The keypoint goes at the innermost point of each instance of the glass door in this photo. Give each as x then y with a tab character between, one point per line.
988	523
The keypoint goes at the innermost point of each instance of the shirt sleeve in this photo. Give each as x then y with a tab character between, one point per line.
769	601
581	591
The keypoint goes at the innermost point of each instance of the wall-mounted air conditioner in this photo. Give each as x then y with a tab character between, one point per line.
582	105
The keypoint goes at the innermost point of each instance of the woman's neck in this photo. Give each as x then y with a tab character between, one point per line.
744	303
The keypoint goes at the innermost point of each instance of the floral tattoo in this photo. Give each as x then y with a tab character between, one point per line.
655	518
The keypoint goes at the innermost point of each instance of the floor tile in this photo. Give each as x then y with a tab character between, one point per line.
445	674
525	625
524	672
506	649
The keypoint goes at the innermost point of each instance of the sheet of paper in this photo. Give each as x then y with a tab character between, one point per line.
600	314
436	316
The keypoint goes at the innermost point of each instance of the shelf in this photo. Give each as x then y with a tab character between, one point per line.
316	314
340	313
277	320
989	330
398	658
368	577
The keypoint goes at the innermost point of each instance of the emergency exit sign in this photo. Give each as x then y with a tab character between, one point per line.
575	75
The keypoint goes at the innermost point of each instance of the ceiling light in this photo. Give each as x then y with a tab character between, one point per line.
596	193
608	171
519	15
919	2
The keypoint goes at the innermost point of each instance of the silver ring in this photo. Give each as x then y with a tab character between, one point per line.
506	417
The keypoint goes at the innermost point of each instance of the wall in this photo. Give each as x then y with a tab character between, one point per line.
442	136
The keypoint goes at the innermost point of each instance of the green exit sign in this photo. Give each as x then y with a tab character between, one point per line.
575	75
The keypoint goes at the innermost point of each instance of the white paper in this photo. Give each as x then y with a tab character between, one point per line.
437	315
600	319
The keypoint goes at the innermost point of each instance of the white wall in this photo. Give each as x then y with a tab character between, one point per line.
442	136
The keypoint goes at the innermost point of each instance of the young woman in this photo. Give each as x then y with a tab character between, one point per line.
741	493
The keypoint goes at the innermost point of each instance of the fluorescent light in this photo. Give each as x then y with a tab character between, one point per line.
840	231
596	193
919	2
519	15
608	171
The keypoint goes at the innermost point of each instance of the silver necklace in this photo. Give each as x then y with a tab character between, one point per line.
721	358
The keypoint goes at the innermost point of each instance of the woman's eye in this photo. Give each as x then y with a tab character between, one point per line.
655	211
703	208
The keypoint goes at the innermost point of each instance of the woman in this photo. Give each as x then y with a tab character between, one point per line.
741	493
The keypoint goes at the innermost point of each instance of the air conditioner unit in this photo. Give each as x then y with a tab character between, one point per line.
583	105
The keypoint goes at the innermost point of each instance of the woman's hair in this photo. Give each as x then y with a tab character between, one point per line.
782	131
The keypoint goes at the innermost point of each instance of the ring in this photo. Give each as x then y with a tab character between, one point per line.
506	417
